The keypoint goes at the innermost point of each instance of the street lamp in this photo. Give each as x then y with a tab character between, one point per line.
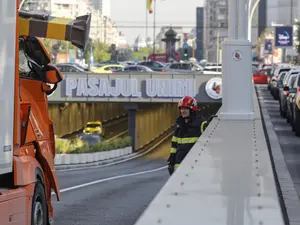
250	16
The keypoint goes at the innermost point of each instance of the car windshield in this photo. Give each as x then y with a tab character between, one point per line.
93	125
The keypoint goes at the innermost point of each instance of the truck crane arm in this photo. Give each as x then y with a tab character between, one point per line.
42	25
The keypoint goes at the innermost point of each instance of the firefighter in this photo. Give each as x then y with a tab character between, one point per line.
189	127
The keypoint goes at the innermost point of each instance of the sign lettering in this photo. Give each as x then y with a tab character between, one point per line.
128	88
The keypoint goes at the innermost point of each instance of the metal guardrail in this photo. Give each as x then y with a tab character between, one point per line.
122	134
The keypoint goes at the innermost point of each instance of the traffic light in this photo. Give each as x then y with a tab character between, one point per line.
186	54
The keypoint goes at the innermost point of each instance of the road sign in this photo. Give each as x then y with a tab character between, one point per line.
268	48
283	37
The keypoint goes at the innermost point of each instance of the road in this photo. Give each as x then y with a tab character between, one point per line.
111	195
290	144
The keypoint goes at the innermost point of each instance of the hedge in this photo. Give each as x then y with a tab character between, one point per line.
63	146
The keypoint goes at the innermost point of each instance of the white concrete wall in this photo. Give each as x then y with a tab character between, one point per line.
69	159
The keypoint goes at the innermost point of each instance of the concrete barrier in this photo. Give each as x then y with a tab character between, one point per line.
73	159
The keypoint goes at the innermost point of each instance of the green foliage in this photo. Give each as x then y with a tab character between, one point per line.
47	44
61	146
100	51
145	52
76	147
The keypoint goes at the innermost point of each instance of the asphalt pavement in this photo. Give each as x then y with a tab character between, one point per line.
289	143
111	195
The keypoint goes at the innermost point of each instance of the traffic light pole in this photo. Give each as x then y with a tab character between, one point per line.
237	89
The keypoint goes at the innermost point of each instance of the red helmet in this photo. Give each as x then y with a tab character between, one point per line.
188	102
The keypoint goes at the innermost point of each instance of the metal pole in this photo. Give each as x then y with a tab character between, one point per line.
242	12
249	8
291	12
237	87
218	48
22	2
232	19
250	19
154	29
146	20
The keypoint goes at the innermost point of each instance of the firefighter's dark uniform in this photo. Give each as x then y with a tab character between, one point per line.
184	138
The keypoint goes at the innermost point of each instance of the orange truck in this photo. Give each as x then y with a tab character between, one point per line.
27	143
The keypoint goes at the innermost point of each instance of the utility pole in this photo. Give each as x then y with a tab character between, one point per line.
105	20
146	20
237	89
218	48
154	24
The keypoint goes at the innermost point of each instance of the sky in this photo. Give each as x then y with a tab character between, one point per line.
130	16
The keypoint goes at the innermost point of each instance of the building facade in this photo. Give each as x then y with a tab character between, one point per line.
215	28
104	6
102	27
43	6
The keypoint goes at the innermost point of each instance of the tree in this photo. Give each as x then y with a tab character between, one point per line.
124	54
141	53
99	49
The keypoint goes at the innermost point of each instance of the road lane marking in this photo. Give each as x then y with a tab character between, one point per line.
108	179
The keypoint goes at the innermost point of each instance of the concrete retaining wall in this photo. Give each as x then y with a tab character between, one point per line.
70	159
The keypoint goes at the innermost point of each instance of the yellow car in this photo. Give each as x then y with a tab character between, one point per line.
107	69
93	128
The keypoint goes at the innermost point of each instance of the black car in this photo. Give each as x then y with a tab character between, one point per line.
155	66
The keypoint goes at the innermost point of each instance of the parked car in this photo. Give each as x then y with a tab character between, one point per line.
274	81
69	67
213	70
290	97
294	101
107	69
155	66
135	68
259	76
183	67
284	93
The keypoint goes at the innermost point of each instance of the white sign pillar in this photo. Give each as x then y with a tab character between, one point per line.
237	89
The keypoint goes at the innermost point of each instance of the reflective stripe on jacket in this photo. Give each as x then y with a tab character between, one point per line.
187	134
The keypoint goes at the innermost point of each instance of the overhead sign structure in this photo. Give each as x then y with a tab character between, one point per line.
268	48
283	37
133	88
213	88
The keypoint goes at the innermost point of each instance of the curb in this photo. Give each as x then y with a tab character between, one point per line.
288	195
72	161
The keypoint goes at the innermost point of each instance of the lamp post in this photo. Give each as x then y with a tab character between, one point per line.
237	87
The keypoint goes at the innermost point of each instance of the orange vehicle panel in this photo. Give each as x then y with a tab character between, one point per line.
15	206
25	167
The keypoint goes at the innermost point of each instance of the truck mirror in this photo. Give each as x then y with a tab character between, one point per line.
49	88
52	75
